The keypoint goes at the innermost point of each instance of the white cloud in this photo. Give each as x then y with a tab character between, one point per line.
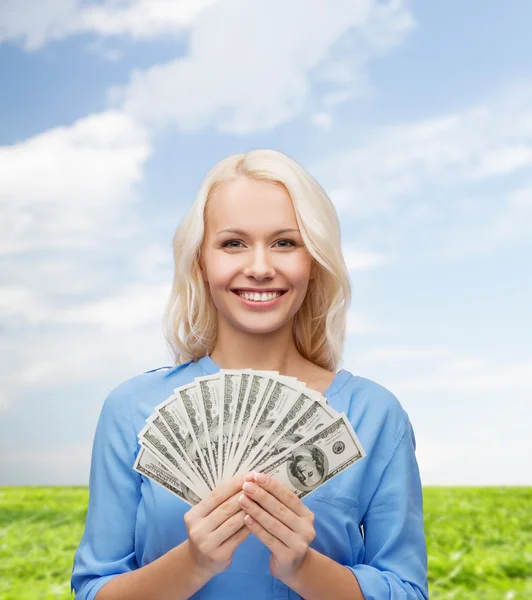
521	199
503	160
5	401
338	97
485	456
515	218
407	181
481	224
84	354
394	354
65	187
470	416
65	457
357	260
322	120
359	324
155	258
34	23
134	306
17	301
464	365
480	143
119	334
233	77
66	465
476	378
141	18
236	80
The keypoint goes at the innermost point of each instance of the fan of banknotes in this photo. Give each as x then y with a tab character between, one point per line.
242	420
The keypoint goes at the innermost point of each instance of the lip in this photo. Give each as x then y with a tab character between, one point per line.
259	305
259	290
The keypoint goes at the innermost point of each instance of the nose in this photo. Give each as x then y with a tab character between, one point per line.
260	265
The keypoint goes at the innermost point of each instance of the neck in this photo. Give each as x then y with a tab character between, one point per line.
275	351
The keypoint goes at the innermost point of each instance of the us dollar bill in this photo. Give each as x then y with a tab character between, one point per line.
290	430
148	465
256	388
272	429
176	446
281	395
151	438
209	400
237	395
198	433
259	392
229	386
318	458
176	416
236	419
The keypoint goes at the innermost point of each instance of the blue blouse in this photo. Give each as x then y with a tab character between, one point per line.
369	518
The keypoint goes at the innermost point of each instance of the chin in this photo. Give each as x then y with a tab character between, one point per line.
258	329
258	325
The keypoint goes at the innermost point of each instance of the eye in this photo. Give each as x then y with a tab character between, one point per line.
290	242
229	243
235	244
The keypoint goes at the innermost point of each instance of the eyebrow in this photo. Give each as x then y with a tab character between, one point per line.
242	232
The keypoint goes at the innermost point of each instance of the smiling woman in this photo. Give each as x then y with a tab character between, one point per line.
269	275
260	223
260	282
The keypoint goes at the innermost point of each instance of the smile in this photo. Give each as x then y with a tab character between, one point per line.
257	297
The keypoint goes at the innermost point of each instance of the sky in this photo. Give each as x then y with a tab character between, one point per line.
415	117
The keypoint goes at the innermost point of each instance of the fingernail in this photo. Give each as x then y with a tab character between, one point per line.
248	476
248	520
261	477
244	501
249	487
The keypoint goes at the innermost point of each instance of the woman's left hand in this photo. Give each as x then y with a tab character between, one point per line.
281	521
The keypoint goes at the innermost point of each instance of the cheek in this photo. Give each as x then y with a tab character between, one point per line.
298	272
221	273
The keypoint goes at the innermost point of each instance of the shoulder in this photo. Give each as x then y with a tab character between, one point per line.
137	396
364	394
371	408
379	397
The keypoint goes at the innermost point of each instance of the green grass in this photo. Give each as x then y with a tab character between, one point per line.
479	542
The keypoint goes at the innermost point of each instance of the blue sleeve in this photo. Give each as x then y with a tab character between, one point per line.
395	562
107	547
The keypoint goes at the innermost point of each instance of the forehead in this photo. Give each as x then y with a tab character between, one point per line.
251	205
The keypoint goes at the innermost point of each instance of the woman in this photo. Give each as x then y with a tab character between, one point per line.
260	223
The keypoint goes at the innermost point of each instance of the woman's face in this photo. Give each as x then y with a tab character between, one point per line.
264	253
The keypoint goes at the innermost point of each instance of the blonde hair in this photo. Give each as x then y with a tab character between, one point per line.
190	316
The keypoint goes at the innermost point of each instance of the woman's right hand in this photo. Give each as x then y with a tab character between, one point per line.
216	527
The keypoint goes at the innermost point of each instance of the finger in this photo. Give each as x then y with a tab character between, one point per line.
228	527
223	512
274	507
270	524
270	541
220	493
236	539
282	493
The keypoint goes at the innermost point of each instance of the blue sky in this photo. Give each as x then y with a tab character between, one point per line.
415	117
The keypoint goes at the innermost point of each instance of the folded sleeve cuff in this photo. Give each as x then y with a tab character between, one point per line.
384	585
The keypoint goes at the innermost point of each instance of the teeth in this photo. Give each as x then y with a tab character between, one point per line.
259	297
